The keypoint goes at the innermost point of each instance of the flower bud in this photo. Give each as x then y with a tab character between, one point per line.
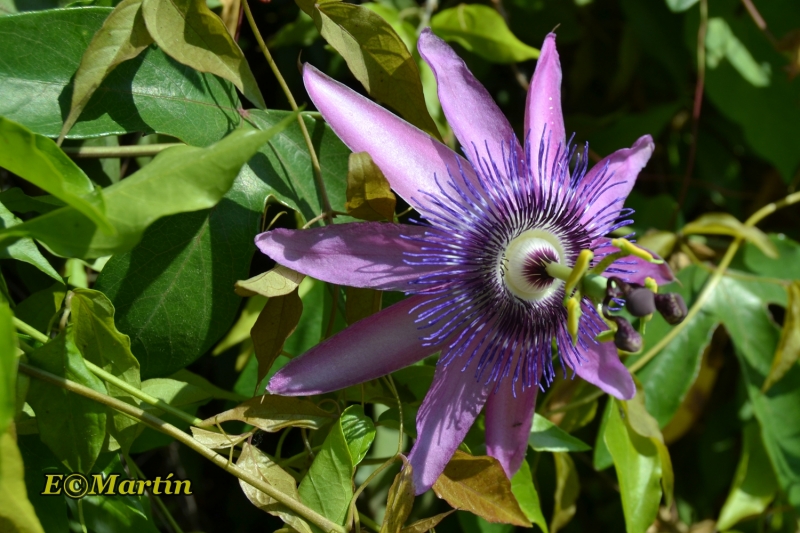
626	338
672	307
616	288
640	302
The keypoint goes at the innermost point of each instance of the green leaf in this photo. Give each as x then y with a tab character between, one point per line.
721	43
308	332
240	331
279	281
192	34
525	492
301	32
754	485
24	250
179	179
203	384
255	462
151	93
638	467
100	342
376	56
38	461
8	368
788	350
16	200
359	432
548	437
16	512
726	224
275	323
369	195
123	36
328	487
784	267
601	458
39	308
481	29
645	425
426	524
361	303
567	489
174	392
400	499
217	440
73	427
479	485
678	6
273	413
38	160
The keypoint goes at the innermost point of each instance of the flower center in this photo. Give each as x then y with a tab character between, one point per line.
526	260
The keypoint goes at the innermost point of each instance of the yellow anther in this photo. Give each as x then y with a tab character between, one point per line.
651	284
578	271
574	317
629	248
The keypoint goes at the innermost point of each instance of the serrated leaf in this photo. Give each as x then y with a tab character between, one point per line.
100	342
273	413
8	368
191	33
400	500
525	492
216	440
279	281
426	524
481	29
24	250
38	160
548	437
123	36
479	485
275	323
255	462
788	350
376	56
567	489
359	432
16	512
726	224
179	179
754	485
73	427
151	93
328	487
369	195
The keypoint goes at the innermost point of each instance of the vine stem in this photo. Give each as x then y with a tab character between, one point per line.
136	150
184	438
323	193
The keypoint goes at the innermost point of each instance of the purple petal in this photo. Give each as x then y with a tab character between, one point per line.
609	182
601	367
408	157
370	348
453	402
633	269
543	107
470	110
508	424
363	254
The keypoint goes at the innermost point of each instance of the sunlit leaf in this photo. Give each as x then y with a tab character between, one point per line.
645	425
525	492
361	303
16	512
400	500
273	413
359	432
100	342
789	345
240	331
369	195
376	56
680	5
123	36
275	323
24	249
479	485
567	489
548	437
481	29
38	160
14	199
191	33
721	44
754	485
278	281
8	368
217	440
174	392
426	524
73	427
255	462
726	224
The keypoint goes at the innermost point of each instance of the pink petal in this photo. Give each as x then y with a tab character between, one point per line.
362	254
543	108
370	348
470	110
453	402
601	367
609	182
408	157
508	424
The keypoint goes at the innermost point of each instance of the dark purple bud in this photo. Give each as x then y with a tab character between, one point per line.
672	307
640	302
616	288
626	338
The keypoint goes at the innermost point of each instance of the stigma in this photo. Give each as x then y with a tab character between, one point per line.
525	260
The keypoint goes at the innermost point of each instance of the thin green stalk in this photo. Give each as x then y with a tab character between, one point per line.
136	150
184	438
159	503
323	193
369	522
